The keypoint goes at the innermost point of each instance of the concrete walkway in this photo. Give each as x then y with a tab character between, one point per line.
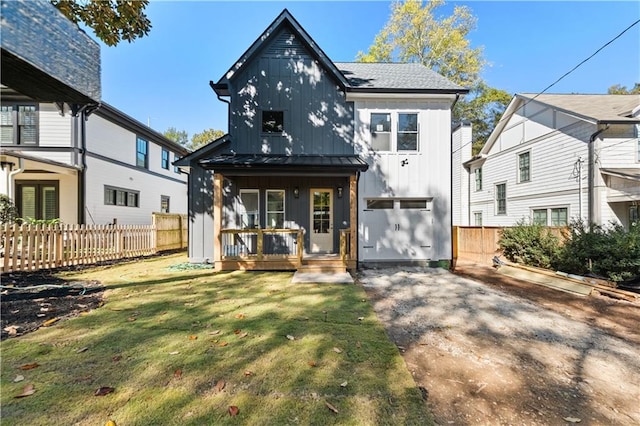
322	277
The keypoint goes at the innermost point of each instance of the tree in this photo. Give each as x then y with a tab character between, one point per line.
178	136
200	139
414	34
618	89
111	20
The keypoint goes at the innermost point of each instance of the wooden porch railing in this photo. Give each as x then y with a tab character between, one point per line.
262	244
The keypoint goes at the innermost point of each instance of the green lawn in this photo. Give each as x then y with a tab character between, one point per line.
164	340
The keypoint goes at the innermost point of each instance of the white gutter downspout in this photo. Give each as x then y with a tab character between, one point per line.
592	176
10	179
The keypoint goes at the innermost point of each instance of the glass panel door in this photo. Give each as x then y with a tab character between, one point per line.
321	238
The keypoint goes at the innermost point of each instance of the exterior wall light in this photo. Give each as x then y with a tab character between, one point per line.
339	192
296	192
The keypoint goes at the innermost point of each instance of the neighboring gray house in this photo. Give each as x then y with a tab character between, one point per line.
322	161
557	157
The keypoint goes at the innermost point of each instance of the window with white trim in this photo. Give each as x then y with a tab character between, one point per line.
407	136
164	203
524	166
249	208
275	208
381	131
540	217
501	198
394	131
478	176
477	218
559	216
19	124
556	216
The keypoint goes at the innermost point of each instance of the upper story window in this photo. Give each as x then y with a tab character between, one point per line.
478	176
638	153
272	121
403	126
524	167
501	198
165	159
19	124
142	153
176	169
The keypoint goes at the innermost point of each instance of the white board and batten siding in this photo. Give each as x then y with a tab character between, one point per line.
460	153
405	229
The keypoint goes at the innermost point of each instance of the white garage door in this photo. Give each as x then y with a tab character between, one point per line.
396	229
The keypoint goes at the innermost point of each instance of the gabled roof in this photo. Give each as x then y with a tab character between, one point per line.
395	77
285	19
202	152
597	109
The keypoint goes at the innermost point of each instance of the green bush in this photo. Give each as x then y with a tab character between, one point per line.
612	252
530	244
8	210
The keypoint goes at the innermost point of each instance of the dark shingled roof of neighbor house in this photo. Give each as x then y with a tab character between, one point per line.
363	76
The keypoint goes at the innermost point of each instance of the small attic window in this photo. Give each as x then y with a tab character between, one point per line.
272	121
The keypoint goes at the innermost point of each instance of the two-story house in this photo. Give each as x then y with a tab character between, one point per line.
554	158
323	159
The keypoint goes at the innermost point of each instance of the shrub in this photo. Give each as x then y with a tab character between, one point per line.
612	252
8	210
529	244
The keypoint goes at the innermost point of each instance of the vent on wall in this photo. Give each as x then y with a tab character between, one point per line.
285	44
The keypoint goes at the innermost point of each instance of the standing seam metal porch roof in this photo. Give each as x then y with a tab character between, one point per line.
285	162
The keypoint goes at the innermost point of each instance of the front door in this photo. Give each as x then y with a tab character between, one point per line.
321	238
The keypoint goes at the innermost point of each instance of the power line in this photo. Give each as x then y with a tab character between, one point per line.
563	76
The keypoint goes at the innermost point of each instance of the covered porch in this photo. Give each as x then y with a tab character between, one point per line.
285	212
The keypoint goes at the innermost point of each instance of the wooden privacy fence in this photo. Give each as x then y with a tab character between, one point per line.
171	231
34	247
480	243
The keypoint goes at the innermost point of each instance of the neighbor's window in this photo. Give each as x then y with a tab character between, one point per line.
19	124
477	218
407	132
272	121
478	175
249	208
121	197
638	157
379	204
540	217
559	217
381	131
501	198
176	169
414	204
165	159
37	200
164	204
275	208
524	167
142	153
633	214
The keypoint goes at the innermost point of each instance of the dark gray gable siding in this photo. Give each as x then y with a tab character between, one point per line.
285	77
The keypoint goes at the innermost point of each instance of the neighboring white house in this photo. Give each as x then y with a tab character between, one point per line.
109	168
554	158
461	140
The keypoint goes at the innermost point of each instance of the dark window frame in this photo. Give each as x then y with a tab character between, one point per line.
164	162
121	197
143	161
379	204
415	132
15	123
176	169
501	199
524	167
274	116
164	198
38	184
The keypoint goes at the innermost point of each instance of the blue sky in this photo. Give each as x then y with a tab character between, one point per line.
163	79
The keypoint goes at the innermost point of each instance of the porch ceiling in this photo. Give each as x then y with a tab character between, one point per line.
249	164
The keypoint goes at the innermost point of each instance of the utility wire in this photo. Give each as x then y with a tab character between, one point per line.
565	74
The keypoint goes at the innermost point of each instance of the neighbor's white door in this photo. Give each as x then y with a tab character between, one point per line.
321	238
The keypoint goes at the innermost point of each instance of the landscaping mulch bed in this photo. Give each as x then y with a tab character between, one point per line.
24	308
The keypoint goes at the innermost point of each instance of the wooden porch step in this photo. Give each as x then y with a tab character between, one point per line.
322	265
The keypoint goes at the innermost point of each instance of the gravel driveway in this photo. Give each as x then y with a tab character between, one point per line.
484	356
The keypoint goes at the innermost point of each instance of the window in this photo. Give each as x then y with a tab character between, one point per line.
275	208
142	149
176	169
477	218
165	159
379	204
272	121
381	131
19	124
478	175
38	200
638	153
633	214
414	204
540	217
121	197
559	217
524	167
407	132
164	204
249	208
501	198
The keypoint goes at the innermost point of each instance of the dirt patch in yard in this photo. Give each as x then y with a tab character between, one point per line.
496	350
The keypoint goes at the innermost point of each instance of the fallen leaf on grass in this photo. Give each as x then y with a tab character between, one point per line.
331	407
223	344
238	331
192	337
290	337
360	318
12	330
240	316
311	363
213	333
248	373
220	384
110	423
116	358
337	350
131	319
233	410
358	344
572	419
177	374
47	323
243	335
30	366
18	378
104	390
344	384
174	353
79	351
28	390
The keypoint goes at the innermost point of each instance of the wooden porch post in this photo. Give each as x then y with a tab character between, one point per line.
353	216
217	220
